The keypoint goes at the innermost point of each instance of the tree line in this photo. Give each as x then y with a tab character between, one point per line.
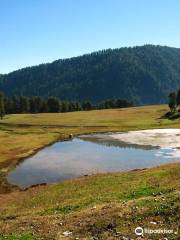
36	104
174	105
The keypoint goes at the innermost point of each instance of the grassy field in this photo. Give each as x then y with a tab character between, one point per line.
105	206
124	119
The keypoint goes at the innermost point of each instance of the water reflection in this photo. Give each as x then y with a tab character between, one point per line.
86	155
107	140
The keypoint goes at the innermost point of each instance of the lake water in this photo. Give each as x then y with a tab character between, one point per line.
88	155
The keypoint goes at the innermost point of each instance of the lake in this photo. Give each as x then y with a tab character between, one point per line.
98	153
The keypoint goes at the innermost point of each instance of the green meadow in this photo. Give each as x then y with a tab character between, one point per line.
102	206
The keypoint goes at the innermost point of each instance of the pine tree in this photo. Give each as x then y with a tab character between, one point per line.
24	104
178	98
64	106
2	108
87	106
53	104
32	105
172	101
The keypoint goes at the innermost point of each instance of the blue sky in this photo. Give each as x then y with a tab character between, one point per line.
39	31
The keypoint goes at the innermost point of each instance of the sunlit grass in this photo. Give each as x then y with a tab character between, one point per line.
87	204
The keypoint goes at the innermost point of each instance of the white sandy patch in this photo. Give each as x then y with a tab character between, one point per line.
168	140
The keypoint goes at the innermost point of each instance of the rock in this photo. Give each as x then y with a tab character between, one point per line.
125	238
95	238
152	222
67	233
111	226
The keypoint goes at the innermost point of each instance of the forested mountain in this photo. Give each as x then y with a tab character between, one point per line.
144	75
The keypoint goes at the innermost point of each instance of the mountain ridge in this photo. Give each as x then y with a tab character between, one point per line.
143	74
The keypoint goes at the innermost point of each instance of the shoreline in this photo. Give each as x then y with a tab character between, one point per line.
59	139
91	176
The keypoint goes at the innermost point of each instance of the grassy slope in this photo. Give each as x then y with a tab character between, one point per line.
126	200
122	200
136	117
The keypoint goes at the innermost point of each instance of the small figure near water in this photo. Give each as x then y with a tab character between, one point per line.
70	136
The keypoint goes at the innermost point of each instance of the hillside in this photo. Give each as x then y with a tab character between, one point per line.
144	75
